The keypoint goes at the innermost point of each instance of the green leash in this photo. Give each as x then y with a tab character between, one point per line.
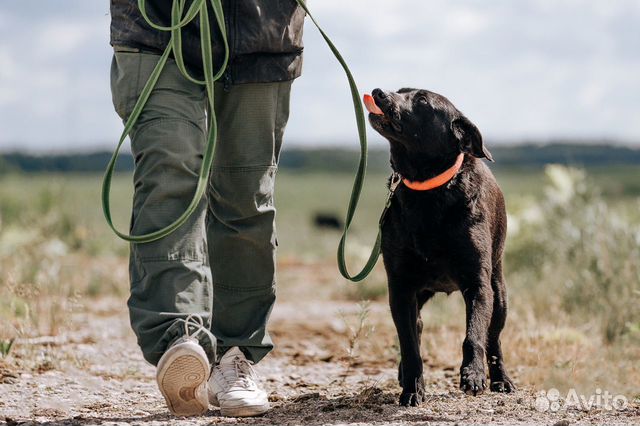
199	7
360	173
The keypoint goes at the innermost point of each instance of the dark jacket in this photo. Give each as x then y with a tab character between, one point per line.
265	37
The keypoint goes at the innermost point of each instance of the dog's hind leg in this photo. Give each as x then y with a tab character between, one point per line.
500	381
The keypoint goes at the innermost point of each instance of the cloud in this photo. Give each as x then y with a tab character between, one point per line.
61	37
525	69
467	22
529	69
47	55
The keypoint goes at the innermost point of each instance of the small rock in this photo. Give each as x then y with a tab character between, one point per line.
274	397
327	357
307	396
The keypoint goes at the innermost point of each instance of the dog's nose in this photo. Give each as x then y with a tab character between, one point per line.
378	94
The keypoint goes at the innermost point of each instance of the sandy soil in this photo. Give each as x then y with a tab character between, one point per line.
94	374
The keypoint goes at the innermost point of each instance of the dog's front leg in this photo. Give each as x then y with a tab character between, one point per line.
478	297
404	309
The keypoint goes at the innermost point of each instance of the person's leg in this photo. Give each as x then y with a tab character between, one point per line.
170	278
240	220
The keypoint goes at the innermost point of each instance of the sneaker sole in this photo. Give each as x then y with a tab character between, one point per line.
244	411
179	379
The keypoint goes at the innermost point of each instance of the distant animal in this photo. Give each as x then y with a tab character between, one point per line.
444	232
328	220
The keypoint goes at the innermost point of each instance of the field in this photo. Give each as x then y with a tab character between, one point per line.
572	268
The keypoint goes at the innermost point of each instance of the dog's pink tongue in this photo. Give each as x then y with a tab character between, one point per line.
371	106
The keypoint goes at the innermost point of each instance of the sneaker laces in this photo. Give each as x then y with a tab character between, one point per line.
242	374
196	321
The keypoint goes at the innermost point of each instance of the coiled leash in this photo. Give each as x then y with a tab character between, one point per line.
199	7
175	46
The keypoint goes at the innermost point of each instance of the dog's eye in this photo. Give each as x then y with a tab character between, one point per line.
423	100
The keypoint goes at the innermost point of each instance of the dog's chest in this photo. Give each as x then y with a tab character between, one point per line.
431	237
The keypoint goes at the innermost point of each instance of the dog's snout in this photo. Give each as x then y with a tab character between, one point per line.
378	94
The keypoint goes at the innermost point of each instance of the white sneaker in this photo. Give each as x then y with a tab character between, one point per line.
233	387
182	375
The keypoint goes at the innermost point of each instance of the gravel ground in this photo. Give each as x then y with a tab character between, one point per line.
96	375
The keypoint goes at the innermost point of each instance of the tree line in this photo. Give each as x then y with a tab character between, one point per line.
342	160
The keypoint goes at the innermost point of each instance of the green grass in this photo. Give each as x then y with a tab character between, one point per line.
41	215
63	204
5	347
300	196
73	201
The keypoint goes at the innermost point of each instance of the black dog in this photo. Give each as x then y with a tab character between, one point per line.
328	220
442	239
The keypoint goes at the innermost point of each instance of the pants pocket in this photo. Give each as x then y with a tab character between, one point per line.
125	78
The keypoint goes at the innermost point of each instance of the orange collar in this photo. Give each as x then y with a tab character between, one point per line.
436	181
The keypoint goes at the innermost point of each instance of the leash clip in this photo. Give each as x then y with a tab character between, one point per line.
393	184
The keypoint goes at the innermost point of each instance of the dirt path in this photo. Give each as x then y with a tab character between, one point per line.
95	374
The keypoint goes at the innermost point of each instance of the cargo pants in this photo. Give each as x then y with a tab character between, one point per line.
219	265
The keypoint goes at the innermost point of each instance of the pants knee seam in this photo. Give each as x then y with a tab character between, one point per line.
159	120
265	289
169	258
241	169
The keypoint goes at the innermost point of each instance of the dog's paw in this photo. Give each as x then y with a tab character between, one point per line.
408	399
412	396
472	381
504	385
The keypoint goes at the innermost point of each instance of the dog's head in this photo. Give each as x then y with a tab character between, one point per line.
425	126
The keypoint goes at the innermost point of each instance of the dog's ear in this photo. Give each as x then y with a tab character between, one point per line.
469	138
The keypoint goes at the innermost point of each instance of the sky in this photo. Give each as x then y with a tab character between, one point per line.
520	70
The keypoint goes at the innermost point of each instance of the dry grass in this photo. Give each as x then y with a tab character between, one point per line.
573	270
